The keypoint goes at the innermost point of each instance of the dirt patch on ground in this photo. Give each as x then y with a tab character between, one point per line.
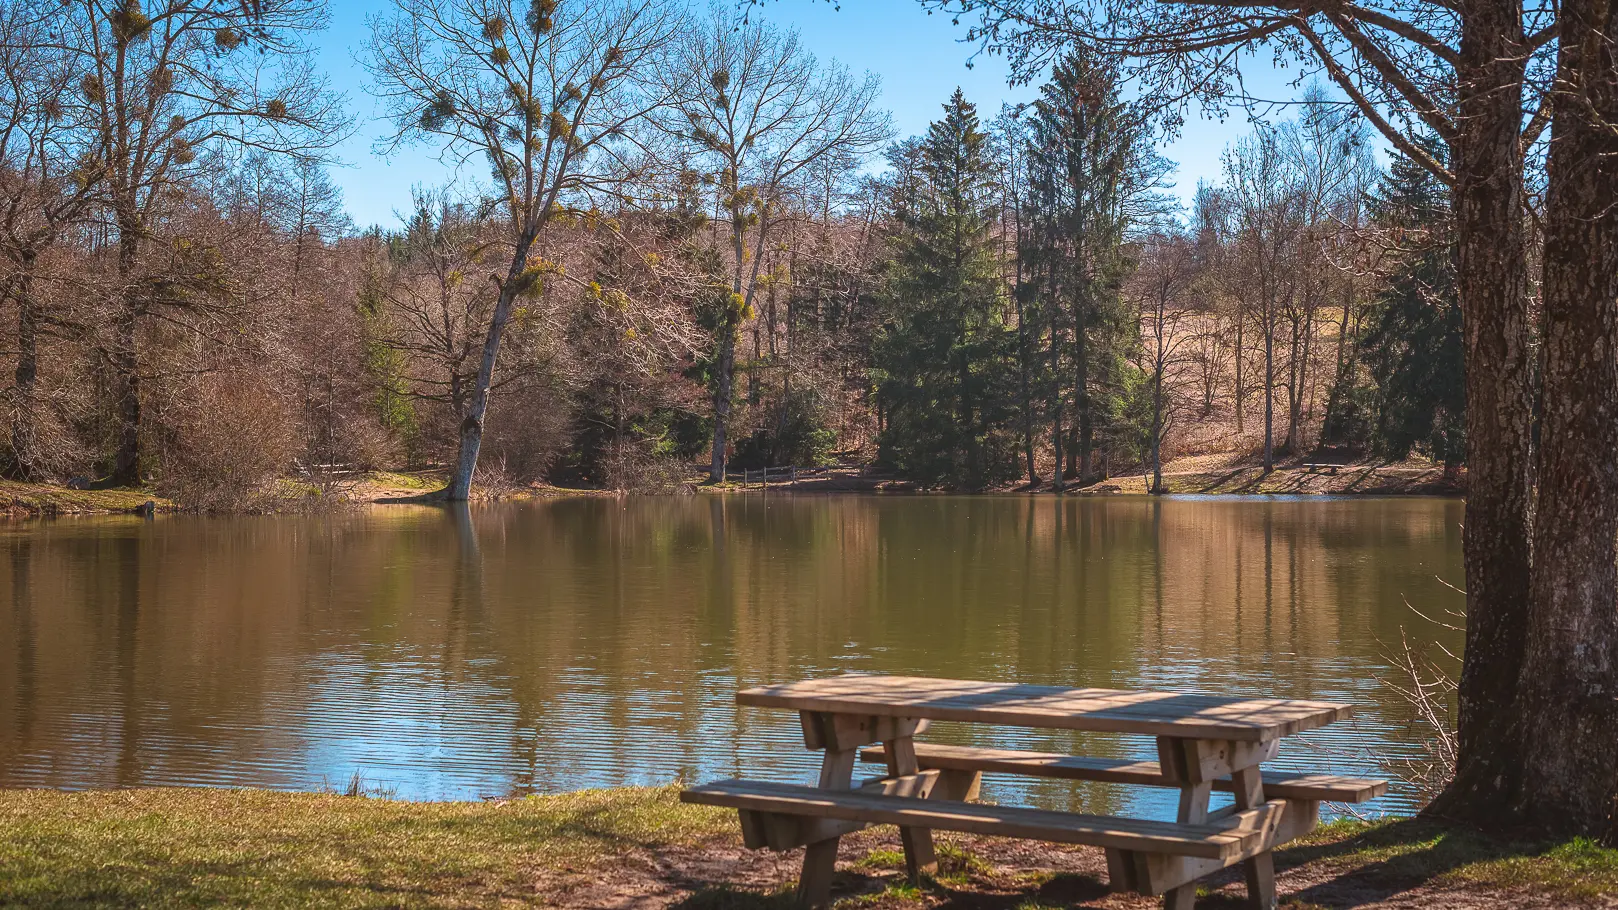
980	873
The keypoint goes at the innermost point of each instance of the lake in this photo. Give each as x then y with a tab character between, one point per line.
592	642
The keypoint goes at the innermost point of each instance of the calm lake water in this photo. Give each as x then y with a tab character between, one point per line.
596	642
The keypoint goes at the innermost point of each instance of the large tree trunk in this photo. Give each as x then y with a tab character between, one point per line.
1157	425
1302	333
1081	390
1056	408
1492	288
1025	400
1289	443
721	402
1240	391
1342	329
1568	698
724	382
471	444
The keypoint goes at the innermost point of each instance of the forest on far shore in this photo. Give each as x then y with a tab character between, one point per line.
675	240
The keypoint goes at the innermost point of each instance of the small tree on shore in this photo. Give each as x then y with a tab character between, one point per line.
1161	287
547	96
762	112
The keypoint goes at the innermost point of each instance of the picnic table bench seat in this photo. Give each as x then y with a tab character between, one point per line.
972	761
1233	837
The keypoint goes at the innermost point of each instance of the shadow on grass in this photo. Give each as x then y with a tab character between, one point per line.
1065	890
724	897
1411	859
1392	858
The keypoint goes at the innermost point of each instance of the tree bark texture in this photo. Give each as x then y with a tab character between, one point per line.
471	443
1492	288
721	403
1569	682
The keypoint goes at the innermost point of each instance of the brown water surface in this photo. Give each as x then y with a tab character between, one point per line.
597	642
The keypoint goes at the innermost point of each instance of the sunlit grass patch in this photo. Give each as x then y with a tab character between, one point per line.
184	848
957	865
424	481
882	858
1424	850
21	499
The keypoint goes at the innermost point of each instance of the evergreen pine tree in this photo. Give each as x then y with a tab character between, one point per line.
946	386
1094	178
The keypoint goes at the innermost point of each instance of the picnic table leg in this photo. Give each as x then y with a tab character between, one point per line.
820	858
1193	811
918	842
1248	786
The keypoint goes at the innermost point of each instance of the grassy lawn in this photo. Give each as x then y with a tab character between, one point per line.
1421	850
28	499
186	848
190	848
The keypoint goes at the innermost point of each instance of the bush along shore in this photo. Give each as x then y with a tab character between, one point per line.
641	848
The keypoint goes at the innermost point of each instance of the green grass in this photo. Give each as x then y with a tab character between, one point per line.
956	865
1422	850
883	859
185	848
172	848
26	499
425	482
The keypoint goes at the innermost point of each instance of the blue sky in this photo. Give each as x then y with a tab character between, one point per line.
919	57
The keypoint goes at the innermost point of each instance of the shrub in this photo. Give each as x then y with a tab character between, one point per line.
229	438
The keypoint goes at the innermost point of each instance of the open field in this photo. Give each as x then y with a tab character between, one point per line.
640	848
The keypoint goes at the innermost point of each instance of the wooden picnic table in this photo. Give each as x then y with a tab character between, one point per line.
1203	742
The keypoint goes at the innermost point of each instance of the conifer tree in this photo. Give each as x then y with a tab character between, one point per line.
1095	177
946	382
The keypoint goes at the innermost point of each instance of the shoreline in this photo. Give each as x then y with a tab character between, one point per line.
642	848
20	500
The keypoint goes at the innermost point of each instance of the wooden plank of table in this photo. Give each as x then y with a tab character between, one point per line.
1013	704
1277	784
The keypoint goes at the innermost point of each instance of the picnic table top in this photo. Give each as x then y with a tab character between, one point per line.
1175	714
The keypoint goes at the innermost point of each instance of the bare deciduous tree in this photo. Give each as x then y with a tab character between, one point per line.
546	95
165	82
760	112
50	176
1161	289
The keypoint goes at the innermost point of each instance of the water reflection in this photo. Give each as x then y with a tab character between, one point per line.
595	642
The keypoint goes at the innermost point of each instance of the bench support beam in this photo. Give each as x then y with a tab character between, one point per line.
780	831
1259	869
841	736
1161	873
838	732
918	842
820	857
